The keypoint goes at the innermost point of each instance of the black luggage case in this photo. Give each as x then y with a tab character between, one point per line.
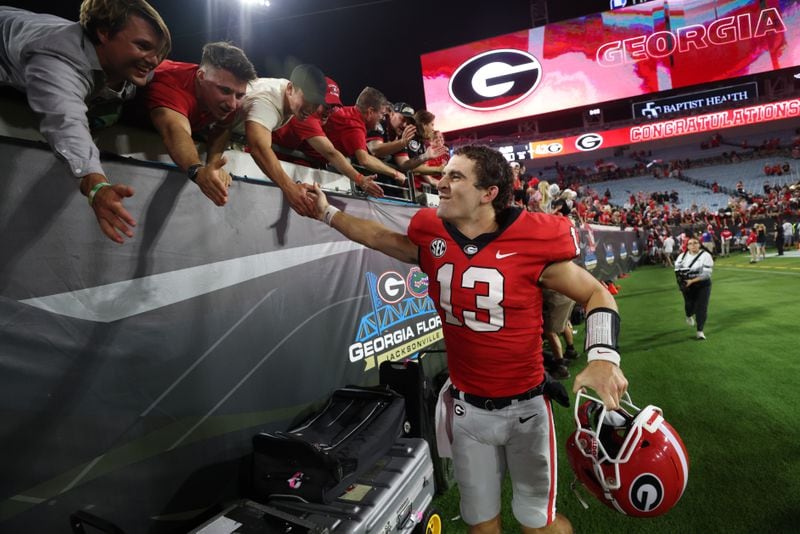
394	494
320	457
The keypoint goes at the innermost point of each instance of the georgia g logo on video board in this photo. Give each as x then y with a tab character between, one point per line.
588	142
495	79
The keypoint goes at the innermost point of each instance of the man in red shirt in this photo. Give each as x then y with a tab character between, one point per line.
185	99
347	130
487	264
308	136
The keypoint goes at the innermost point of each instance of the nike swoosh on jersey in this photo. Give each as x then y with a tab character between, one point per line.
500	256
526	419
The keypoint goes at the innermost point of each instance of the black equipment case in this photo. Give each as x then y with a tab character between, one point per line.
319	458
392	495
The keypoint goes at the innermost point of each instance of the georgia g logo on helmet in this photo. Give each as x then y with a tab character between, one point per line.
631	460
495	79
646	493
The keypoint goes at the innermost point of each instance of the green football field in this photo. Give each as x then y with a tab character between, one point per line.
734	399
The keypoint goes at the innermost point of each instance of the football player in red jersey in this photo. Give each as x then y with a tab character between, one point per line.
487	263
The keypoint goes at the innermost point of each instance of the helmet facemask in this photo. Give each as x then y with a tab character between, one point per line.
631	459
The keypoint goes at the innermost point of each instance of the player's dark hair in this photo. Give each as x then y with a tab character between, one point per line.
491	168
228	57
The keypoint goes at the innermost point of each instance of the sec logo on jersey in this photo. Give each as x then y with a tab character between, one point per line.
438	247
495	79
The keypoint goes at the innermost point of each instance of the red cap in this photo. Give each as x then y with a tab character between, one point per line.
332	94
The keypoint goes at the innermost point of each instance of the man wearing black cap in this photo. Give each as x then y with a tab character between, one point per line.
393	133
397	139
269	104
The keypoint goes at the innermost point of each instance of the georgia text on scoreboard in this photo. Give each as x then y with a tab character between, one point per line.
636	50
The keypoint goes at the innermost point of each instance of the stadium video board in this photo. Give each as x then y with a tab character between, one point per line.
623	53
653	131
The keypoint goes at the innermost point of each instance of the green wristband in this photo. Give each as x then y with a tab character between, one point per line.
95	189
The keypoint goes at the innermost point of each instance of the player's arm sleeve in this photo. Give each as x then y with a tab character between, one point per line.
56	92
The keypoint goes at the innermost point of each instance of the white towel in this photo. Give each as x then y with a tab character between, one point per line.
444	421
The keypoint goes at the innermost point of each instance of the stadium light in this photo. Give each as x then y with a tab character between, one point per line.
257	3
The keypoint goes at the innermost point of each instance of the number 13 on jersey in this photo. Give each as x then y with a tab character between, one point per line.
491	303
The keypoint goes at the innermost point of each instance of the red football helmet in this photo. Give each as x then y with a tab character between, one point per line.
632	461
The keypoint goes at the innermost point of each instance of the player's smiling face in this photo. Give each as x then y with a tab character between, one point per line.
460	198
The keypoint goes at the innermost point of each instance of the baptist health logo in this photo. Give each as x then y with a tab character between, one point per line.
402	322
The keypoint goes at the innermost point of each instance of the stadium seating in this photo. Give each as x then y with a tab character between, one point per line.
688	194
750	172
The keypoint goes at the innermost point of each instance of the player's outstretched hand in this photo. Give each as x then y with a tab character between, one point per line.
113	218
606	379
320	201
298	198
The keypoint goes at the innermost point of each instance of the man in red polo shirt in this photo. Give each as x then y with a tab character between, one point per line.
347	129
308	137
185	99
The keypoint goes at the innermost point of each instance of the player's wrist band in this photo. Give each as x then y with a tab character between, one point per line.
95	189
359	179
330	211
602	331
605	354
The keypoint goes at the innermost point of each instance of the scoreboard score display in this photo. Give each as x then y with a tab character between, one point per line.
630	51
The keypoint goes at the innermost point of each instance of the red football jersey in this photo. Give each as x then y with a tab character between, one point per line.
486	292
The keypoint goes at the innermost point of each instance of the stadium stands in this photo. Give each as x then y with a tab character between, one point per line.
750	172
